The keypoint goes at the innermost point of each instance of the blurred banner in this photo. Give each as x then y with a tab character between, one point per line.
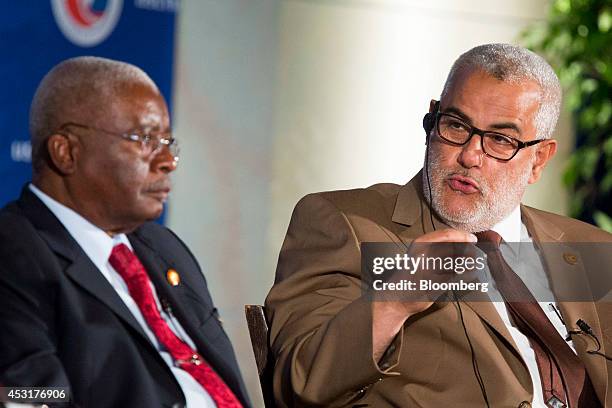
34	36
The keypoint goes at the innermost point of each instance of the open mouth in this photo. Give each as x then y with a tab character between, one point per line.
462	184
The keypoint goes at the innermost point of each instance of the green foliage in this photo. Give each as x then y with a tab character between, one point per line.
603	220
577	40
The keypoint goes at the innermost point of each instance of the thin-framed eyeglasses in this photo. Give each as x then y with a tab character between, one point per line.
494	144
150	142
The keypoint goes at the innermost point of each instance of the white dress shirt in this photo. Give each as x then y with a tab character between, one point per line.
98	245
512	230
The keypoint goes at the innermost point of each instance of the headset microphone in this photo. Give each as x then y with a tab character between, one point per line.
429	121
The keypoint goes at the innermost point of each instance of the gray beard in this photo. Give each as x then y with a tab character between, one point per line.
497	200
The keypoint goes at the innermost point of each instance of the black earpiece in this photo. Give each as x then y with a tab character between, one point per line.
429	120
428	123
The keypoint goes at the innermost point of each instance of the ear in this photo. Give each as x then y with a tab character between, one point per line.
544	152
429	119
63	153
432	105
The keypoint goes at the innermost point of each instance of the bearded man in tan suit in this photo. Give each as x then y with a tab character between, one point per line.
488	138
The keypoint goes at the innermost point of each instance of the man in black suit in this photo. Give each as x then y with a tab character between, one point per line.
94	296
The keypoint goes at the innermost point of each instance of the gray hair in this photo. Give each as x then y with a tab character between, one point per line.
511	63
72	87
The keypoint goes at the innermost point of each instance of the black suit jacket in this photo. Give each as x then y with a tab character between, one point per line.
63	324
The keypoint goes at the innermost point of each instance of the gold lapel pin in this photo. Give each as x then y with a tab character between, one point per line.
173	277
570	258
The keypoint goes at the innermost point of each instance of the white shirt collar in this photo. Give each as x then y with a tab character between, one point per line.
96	243
510	227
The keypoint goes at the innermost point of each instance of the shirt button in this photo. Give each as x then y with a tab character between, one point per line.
524	404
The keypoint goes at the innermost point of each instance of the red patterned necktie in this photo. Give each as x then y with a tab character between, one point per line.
562	374
133	273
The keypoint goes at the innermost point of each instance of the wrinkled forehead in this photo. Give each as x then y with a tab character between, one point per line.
471	86
136	105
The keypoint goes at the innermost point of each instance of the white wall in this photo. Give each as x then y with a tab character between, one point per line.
223	116
276	99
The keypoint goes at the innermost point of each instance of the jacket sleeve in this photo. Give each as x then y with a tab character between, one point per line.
320	321
27	352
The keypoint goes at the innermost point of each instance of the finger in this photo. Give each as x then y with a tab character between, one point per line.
447	235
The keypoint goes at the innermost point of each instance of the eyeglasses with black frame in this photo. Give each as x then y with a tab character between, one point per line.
497	145
150	143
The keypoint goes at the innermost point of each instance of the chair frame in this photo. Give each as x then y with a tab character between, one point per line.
260	340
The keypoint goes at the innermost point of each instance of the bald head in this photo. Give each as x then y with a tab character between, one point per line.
77	90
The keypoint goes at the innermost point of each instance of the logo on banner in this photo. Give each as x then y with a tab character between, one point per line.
87	22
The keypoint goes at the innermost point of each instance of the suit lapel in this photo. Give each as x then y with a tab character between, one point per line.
85	274
570	283
411	210
156	268
80	268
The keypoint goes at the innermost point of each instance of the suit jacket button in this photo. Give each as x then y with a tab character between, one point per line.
524	404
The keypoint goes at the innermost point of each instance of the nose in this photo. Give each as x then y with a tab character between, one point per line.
164	161
471	153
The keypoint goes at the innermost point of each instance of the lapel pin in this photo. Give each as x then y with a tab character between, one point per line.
570	258
173	277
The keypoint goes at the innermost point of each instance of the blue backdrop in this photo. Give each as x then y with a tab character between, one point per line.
37	34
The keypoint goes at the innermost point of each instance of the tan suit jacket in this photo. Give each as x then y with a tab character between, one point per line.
321	326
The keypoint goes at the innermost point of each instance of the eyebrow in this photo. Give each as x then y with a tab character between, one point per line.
497	126
155	128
